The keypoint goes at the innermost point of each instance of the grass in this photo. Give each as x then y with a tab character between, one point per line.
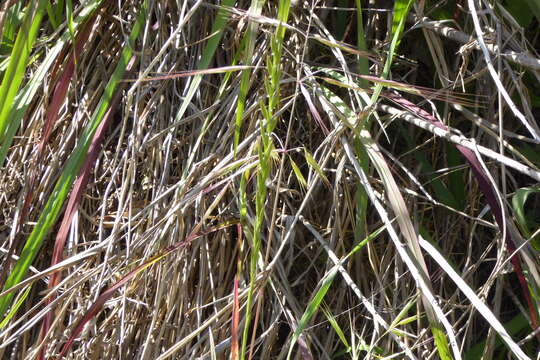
269	179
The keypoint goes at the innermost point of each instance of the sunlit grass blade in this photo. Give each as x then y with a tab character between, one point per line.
312	307
54	204
475	300
337	329
18	59
315	166
96	307
435	315
248	44
26	95
20	301
207	55
399	17
301	180
267	124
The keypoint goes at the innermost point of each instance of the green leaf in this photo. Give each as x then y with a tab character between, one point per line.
315	166
526	224
401	10
18	61
301	180
312	307
248	43
207	55
332	320
26	95
520	11
54	204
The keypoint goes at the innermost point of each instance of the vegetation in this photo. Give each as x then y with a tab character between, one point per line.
251	179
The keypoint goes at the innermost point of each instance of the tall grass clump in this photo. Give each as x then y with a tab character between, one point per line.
250	179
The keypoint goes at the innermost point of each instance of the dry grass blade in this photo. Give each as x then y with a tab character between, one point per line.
106	295
531	127
495	203
459	139
415	259
264	184
477	303
63	185
73	203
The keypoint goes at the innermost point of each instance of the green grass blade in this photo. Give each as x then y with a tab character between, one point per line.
363	63
299	177
333	322
524	220
207	55
248	46
52	15
15	307
12	22
361	198
26	95
397	203
401	10
267	125
315	166
18	61
312	307
69	14
54	204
